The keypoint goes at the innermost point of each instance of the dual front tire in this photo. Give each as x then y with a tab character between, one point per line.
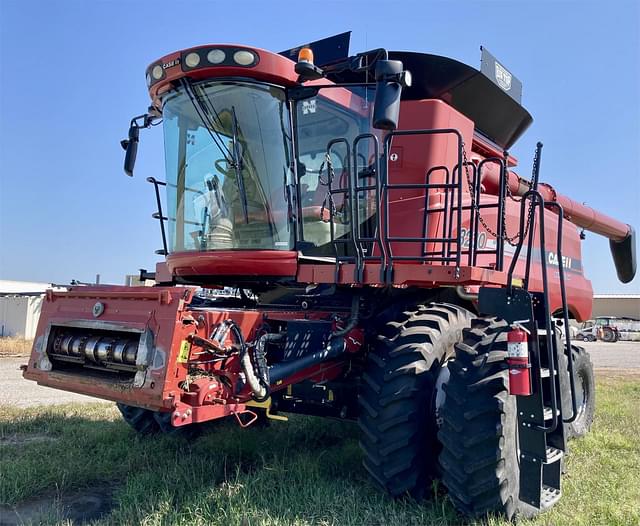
398	396
466	432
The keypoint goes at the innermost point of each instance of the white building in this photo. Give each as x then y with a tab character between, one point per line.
619	305
20	304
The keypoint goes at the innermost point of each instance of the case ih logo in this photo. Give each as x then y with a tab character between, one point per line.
503	77
171	63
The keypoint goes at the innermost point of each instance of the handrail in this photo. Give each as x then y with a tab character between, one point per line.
160	215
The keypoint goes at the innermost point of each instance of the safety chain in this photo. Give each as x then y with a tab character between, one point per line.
512	240
328	202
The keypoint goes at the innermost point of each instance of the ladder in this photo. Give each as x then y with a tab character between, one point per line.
542	415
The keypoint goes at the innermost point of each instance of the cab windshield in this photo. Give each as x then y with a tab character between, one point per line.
228	165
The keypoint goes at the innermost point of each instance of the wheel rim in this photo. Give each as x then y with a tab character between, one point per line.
439	394
582	394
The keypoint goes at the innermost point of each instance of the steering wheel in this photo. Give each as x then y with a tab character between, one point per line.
219	166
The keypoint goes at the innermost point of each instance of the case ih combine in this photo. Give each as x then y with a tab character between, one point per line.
392	269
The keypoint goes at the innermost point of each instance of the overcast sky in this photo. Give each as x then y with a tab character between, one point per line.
72	75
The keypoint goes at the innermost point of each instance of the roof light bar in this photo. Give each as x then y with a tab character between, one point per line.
203	58
216	56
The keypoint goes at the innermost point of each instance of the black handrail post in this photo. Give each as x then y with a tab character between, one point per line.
473	231
565	313
157	183
459	190
357	189
550	333
349	196
504	172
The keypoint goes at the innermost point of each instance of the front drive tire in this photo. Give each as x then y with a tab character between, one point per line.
478	434
397	396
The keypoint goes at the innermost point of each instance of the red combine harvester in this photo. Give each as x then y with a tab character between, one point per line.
392	269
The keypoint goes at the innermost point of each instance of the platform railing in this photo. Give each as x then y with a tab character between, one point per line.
455	242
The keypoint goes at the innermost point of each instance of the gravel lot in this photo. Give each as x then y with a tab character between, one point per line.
619	355
14	390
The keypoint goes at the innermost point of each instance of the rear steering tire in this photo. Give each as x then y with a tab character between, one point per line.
147	422
398	394
141	420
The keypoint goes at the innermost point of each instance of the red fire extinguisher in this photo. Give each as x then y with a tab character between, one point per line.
518	361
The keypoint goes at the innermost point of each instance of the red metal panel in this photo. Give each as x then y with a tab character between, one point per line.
158	310
412	157
273	263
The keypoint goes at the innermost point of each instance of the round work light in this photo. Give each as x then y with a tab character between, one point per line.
244	58
156	72
192	60
216	56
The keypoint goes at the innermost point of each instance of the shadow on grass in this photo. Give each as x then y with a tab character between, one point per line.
305	471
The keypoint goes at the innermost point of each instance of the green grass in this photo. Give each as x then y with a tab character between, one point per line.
305	471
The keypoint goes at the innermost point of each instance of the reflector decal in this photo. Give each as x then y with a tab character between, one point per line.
183	355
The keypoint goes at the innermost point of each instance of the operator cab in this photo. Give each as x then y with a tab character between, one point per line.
271	163
254	171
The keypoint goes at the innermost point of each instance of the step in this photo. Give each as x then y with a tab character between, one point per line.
553	454
544	372
549	496
548	413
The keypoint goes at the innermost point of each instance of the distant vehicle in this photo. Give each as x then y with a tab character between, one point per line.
609	329
586	333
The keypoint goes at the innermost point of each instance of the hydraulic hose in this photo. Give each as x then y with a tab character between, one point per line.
353	319
259	383
259	386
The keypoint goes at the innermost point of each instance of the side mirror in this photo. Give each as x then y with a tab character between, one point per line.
131	148
390	79
130	145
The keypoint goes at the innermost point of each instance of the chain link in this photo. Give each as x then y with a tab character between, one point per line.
512	240
328	202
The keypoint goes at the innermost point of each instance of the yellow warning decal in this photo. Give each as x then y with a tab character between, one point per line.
517	282
183	355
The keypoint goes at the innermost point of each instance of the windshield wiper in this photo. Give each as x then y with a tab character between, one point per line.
237	165
204	115
205	110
